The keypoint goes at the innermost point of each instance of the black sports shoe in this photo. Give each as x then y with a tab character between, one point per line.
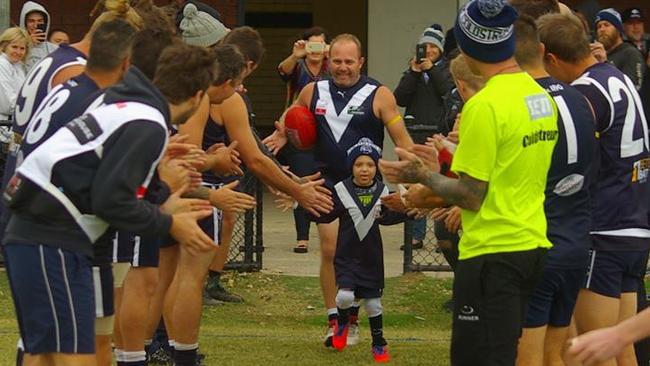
160	358
215	290
417	245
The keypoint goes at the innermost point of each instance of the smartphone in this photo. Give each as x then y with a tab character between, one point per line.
315	47
42	27
420	52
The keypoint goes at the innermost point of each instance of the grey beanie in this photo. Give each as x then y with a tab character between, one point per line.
199	28
435	36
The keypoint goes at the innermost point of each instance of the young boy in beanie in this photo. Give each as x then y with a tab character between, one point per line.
508	133
359	259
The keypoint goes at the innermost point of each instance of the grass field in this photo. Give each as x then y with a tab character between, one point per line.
283	323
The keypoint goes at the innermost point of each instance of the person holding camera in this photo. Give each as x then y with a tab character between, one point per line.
421	91
35	19
306	64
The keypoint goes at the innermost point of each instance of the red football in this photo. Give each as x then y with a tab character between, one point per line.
301	127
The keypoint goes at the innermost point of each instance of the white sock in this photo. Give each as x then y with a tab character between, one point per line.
134	356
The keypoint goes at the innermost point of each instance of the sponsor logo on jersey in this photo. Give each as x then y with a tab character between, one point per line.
356	110
539	106
85	128
640	171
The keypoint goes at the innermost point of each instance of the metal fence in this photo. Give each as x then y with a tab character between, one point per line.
247	241
430	257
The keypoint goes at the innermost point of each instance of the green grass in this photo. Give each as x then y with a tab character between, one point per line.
283	323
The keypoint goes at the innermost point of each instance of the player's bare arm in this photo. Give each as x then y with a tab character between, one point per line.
465	192
385	107
234	114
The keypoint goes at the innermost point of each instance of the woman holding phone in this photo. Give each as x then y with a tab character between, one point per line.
306	63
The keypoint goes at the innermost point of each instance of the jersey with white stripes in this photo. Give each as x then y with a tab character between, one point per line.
343	117
568	205
620	190
37	86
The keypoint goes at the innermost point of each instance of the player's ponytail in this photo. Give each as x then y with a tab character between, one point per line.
115	9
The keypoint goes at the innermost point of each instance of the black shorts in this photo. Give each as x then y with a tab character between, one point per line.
146	251
490	299
211	225
365	292
554	298
123	247
611	273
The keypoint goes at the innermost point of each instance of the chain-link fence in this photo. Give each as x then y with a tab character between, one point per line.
429	257
247	245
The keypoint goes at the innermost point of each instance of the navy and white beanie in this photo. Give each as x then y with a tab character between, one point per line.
484	30
365	146
610	15
434	36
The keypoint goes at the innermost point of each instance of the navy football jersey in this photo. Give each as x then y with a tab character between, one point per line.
38	84
620	190
568	204
343	117
59	107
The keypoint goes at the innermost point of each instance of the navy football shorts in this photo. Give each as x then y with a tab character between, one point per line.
554	298
146	251
611	273
53	296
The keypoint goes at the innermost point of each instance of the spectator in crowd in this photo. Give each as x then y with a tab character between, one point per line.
609	32
423	86
36	20
200	6
14	45
307	63
58	36
421	91
634	29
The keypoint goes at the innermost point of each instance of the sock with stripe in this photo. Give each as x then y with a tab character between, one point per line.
137	358
119	356
186	354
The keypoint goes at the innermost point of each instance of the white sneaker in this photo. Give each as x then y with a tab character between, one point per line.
329	336
353	334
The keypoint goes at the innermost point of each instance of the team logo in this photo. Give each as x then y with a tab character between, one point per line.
356	110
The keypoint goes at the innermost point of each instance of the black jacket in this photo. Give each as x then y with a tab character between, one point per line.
424	99
629	60
105	187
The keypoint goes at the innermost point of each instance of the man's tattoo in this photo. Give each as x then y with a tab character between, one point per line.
200	193
465	192
412	173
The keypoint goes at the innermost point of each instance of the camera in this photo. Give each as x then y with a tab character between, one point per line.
315	47
42	27
420	52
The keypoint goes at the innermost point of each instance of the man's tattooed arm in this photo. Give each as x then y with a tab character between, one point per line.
465	192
